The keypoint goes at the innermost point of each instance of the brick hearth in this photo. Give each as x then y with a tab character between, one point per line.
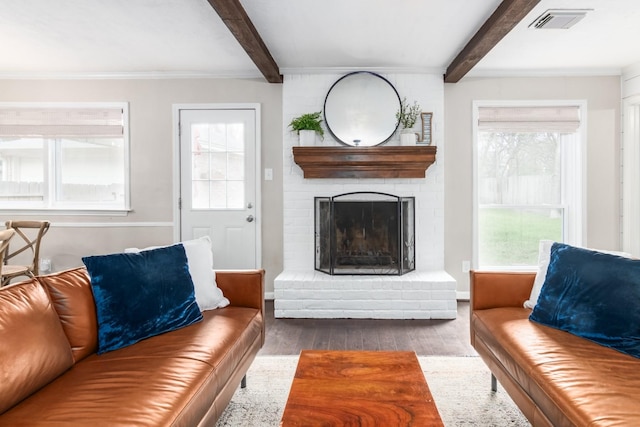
415	295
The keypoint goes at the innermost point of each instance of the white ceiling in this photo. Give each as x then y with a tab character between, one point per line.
44	38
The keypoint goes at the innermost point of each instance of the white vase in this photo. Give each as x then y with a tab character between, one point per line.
408	137
307	137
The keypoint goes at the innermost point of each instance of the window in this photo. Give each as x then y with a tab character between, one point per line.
64	156
528	181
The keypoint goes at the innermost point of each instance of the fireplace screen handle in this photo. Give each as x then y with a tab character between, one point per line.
250	218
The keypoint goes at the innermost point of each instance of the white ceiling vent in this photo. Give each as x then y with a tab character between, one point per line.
559	18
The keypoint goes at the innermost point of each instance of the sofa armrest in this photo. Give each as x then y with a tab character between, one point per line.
492	289
243	288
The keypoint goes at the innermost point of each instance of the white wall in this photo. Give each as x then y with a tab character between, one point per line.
151	136
151	155
603	159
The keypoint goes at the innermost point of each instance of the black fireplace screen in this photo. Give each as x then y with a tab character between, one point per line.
365	233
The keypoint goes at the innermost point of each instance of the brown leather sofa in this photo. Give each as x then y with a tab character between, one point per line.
51	375
555	378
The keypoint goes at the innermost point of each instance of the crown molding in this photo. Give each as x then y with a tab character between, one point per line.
379	70
149	75
631	71
561	72
129	75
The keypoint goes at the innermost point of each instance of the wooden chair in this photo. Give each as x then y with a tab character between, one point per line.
5	237
31	233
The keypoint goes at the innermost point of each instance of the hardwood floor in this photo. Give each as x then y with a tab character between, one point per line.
425	337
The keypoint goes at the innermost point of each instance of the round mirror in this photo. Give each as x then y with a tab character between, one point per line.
360	109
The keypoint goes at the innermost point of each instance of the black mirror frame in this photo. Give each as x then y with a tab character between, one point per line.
324	109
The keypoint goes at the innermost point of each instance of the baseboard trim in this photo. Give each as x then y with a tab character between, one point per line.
463	295
460	296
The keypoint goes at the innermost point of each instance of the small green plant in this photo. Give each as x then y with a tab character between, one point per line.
408	114
309	121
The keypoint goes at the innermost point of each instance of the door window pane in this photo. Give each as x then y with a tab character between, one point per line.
218	137
236	166
200	194
218	195
218	165
235	135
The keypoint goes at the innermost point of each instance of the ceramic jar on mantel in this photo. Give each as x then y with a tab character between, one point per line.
408	137
307	137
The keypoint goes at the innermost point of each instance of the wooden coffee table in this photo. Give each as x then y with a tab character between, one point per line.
359	388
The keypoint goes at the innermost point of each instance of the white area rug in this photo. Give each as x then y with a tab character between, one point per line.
460	387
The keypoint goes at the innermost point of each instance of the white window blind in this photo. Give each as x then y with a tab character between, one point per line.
61	122
64	156
562	119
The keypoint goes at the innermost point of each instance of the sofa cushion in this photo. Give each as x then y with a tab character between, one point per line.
200	260
70	292
593	295
34	349
139	295
575	382
173	379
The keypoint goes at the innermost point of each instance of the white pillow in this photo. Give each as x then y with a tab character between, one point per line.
544	256
200	260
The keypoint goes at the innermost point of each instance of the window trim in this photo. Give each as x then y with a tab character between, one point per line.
630	155
69	208
574	228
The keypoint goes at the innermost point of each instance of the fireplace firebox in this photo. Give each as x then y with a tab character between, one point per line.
365	233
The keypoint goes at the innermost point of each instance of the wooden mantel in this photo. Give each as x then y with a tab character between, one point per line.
365	162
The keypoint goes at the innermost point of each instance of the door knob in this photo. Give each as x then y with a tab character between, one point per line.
250	218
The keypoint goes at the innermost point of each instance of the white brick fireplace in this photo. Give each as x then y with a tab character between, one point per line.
300	291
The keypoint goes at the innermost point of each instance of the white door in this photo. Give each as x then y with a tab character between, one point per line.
218	183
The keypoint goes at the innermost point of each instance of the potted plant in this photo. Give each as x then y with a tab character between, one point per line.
407	115
307	126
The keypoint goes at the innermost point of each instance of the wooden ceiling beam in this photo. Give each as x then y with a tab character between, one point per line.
503	20
237	20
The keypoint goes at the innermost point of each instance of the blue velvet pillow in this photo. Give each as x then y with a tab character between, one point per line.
139	295
593	295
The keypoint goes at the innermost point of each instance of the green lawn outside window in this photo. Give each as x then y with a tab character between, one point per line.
510	236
